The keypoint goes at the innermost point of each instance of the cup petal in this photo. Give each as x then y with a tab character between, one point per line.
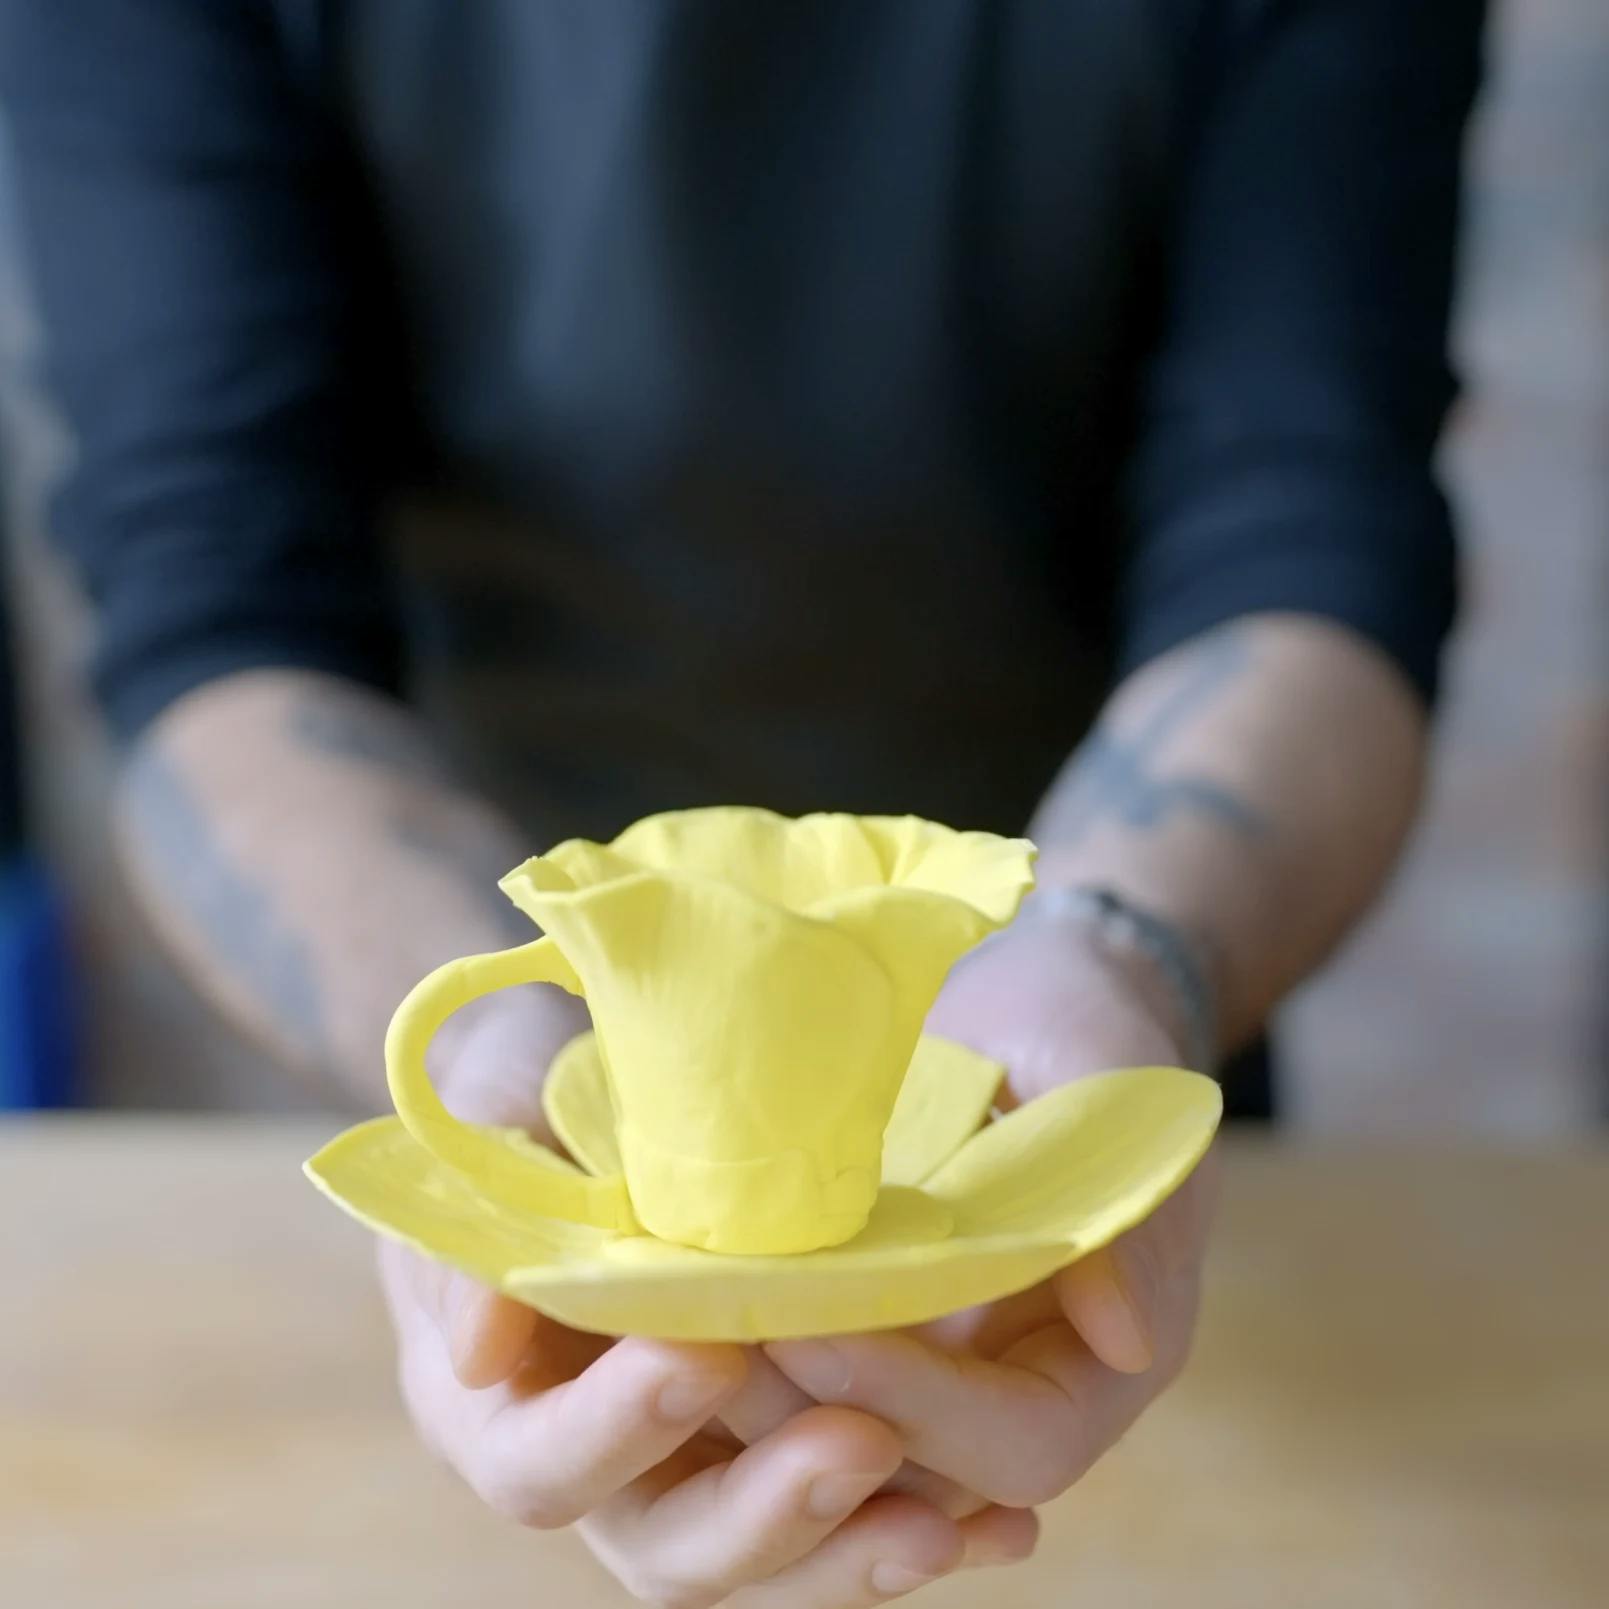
786	861
752	1055
989	873
795	862
916	935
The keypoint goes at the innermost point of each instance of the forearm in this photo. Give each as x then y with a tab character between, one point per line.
1253	788
305	853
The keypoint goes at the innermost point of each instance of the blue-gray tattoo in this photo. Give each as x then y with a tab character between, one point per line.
382	738
476	862
235	916
370	735
1114	776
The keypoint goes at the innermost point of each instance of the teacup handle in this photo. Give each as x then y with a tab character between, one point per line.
505	1164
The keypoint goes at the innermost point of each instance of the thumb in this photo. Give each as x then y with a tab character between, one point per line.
1120	1298
486	1335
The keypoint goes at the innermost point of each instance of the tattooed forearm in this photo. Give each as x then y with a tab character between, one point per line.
231	913
1116	776
1249	788
296	841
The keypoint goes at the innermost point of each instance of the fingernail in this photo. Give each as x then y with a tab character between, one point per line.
890	1579
815	1366
829	1496
989	1558
688	1395
998	1557
1134	1274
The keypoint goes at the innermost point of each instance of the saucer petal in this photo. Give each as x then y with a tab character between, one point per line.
385	1179
1056	1179
902	1269
577	1105
891	1275
1085	1161
1026	1198
944	1100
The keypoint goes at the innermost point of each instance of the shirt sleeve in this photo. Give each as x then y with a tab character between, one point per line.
1291	411
186	240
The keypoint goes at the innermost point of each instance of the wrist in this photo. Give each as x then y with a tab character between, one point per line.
1051	1003
1166	968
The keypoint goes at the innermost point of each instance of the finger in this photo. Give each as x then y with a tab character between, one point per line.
489	1062
553	1457
987	1330
768	1399
1110	1299
765	1401
999	1536
891	1546
1018	1431
546	1456
1105	1403
949	1497
1115	1298
999	1430
487	1334
698	1540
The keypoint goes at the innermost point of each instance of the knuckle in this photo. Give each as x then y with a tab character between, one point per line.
536	1509
649	1587
1041	1473
543	1514
1028	1488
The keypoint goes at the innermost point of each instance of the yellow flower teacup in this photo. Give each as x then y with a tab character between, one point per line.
760	1142
757	988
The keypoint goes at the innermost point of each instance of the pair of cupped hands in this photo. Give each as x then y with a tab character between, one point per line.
812	1474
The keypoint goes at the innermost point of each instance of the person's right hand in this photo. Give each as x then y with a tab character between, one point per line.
629	1438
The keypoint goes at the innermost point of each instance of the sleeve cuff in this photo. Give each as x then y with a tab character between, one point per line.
133	695
1400	595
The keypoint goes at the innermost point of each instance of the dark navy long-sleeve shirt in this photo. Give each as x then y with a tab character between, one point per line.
821	402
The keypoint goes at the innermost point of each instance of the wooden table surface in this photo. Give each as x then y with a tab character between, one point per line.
1400	1397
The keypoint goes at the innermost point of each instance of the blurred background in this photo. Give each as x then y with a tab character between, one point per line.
1475	1000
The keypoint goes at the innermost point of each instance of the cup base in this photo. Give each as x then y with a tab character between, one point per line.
778	1205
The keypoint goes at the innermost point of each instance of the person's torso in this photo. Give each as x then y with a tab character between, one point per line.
776	365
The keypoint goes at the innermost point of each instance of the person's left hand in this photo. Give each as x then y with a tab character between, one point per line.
1011	1403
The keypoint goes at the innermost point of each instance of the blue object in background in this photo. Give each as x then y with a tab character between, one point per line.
36	1018
36	999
